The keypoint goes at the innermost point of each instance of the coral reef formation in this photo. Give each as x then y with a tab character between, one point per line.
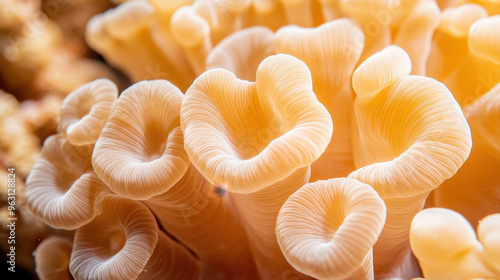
253	139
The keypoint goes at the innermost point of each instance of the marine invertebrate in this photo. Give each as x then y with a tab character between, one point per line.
126	29
193	33
125	235
214	171
142	137
257	140
327	229
298	12
242	59
286	111
415	34
377	19
473	191
207	224
447	247
410	136
52	258
62	188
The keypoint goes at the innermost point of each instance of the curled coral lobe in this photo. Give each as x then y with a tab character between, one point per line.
376	17
417	120
85	111
192	32
488	233
140	152
123	242
242	52
446	246
331	52
480	71
249	135
194	214
62	189
441	222
474	191
126	30
269	13
298	12
410	135
327	229
52	258
258	140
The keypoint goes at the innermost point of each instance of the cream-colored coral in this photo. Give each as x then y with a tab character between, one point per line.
249	145
447	247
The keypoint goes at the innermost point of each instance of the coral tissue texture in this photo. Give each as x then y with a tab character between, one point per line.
257	140
327	228
253	139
